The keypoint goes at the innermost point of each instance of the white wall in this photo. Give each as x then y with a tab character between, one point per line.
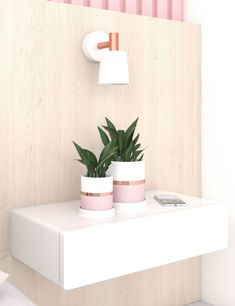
217	18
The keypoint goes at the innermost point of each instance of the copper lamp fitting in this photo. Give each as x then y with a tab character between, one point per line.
112	44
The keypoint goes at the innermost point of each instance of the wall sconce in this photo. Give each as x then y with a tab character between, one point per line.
101	47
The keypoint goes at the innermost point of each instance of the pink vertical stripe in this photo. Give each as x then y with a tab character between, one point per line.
64	1
96	3
147	9
105	4
163	9
169	9
87	3
139	7
81	2
122	5
114	5
177	10
154	8
131	6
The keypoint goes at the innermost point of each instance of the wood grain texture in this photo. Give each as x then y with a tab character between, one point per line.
49	96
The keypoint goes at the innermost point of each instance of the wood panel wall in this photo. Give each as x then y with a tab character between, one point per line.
49	96
169	9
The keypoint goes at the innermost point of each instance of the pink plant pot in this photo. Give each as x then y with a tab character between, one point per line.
128	181
129	193
96	193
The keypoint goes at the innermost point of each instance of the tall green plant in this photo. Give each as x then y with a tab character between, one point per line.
128	148
96	167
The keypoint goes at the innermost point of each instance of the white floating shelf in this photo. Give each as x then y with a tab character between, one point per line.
74	252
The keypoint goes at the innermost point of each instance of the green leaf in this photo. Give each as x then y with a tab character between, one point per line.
88	159
110	124
130	131
136	138
127	153
120	141
112	132
106	150
107	158
136	155
119	145
91	156
103	136
81	153
136	147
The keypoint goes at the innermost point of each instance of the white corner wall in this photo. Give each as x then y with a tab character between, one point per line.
217	19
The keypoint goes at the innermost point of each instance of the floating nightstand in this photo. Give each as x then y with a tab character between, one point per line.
75	252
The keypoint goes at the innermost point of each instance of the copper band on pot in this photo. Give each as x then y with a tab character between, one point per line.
92	194
127	183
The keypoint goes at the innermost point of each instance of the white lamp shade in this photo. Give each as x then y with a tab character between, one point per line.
113	68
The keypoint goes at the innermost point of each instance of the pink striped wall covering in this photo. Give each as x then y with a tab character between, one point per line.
168	9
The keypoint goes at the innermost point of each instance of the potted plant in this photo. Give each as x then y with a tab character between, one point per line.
96	186
128	166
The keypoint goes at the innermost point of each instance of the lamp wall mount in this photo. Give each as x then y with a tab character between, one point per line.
101	47
90	45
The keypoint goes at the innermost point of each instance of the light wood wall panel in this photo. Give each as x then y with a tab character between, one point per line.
49	96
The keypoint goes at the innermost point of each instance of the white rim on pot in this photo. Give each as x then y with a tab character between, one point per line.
128	171
96	185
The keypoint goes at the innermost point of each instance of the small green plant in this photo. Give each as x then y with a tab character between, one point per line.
96	167
128	148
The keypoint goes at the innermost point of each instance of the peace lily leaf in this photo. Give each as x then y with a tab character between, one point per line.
112	132
103	136
130	131
110	124
88	158
128	148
